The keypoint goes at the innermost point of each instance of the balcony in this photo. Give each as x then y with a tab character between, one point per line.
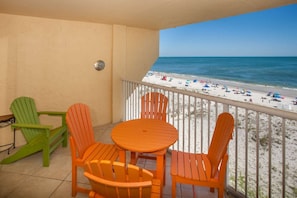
261	154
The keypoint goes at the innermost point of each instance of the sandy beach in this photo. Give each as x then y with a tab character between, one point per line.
254	93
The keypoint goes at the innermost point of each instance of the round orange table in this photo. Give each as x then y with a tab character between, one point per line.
145	136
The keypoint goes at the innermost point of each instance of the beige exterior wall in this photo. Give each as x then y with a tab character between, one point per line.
134	52
52	61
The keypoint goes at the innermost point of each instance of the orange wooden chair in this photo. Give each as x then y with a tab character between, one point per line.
82	142
116	180
153	106
205	169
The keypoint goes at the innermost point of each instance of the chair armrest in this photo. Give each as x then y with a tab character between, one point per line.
31	126
52	113
223	168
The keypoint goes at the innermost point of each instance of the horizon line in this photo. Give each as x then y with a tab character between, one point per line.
228	56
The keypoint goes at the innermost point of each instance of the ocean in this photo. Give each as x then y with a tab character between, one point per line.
269	71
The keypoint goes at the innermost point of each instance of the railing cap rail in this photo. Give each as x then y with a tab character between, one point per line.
250	106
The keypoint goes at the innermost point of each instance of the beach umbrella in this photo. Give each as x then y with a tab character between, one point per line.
276	95
225	87
205	87
248	93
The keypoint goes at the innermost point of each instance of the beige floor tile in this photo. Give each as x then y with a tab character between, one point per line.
64	191
9	182
35	187
60	168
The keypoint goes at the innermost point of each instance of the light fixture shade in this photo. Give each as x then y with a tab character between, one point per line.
99	65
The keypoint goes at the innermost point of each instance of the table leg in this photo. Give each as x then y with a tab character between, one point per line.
133	158
160	168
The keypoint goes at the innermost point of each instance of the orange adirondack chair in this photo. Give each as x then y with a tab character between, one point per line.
82	142
153	106
205	169
116	180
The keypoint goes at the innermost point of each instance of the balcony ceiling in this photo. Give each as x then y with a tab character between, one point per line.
150	14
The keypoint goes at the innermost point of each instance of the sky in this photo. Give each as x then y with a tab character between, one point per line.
270	32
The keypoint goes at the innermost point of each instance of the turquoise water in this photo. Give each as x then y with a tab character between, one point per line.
272	71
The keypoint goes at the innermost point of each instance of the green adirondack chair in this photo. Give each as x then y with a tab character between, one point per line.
39	137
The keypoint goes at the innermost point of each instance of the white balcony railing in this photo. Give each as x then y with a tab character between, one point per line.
262	154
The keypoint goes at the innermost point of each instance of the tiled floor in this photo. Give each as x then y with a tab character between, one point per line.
28	178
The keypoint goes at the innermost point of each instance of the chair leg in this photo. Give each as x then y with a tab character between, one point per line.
46	156
173	187
74	180
65	139
92	194
194	192
164	176
220	192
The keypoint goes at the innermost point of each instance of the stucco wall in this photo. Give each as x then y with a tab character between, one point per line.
52	61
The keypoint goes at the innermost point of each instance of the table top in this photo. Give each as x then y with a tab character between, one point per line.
5	118
144	135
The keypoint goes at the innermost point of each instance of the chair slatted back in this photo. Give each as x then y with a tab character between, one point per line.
78	120
154	106
220	140
25	112
116	180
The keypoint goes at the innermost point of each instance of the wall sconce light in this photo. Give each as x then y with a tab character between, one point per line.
99	65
